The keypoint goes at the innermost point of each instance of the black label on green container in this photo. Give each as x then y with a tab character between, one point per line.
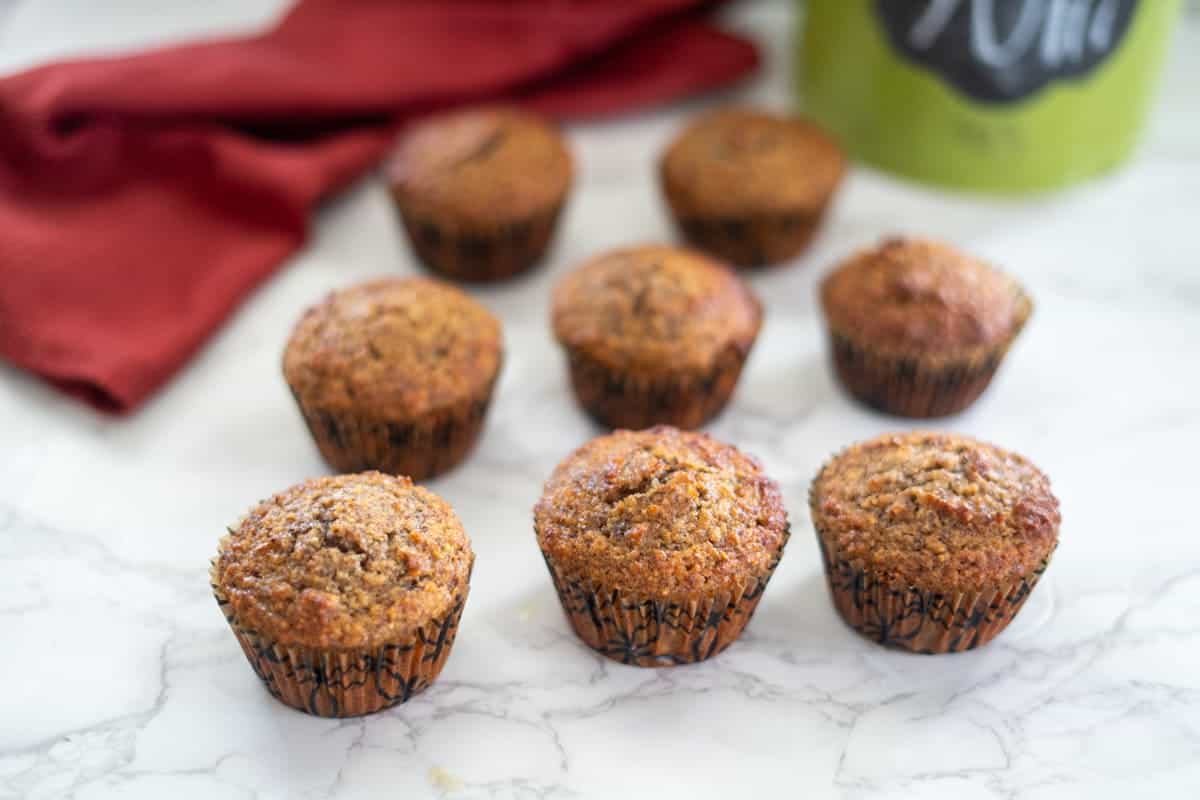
1000	51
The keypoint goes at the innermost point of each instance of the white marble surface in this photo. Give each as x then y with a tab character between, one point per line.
120	678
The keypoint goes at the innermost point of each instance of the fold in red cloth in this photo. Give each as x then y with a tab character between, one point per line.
141	198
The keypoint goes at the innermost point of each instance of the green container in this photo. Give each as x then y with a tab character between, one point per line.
992	95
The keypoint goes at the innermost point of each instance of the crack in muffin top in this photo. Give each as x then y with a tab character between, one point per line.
481	167
344	562
924	297
739	161
936	511
661	513
396	346
655	307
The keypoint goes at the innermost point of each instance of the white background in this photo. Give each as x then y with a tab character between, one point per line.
120	678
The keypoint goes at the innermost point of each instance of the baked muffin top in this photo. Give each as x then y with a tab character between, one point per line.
661	512
409	345
481	167
344	562
924	297
655	307
936	511
739	161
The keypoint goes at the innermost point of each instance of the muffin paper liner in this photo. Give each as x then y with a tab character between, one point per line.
624	400
652	632
909	385
923	622
418	448
903	386
483	255
753	241
348	683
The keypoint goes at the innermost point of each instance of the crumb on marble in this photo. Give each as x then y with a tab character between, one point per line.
444	780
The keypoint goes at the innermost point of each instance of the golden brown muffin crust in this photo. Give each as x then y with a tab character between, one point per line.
661	513
739	162
344	562
655	307
923	297
407	345
481	167
936	511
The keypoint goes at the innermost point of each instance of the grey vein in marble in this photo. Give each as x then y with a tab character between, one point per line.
122	680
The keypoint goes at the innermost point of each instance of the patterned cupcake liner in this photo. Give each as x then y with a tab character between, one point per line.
908	385
618	399
903	386
907	618
348	683
484	255
420	448
753	241
652	632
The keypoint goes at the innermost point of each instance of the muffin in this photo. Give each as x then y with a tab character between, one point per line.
654	335
932	542
917	328
480	191
345	592
394	375
749	186
660	543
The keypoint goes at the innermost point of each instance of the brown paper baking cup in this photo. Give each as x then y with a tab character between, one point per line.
923	622
652	632
348	683
903	386
753	241
420	448
484	255
910	385
618	399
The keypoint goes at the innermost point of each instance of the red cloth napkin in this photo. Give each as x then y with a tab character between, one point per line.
142	198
